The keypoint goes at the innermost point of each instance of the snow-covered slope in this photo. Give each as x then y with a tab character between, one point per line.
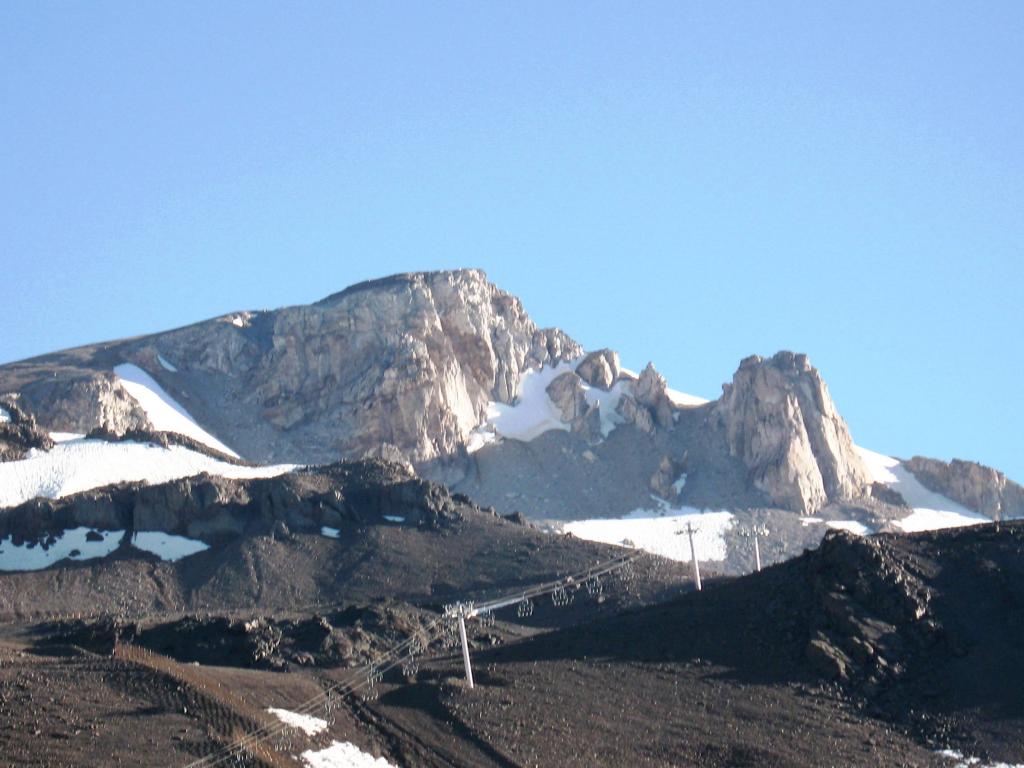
534	413
661	531
931	510
79	465
163	412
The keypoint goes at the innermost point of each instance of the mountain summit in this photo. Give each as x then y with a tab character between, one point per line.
446	372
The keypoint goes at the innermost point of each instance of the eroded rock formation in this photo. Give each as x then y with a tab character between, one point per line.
780	420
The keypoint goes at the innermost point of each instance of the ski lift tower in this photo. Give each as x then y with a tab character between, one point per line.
689	531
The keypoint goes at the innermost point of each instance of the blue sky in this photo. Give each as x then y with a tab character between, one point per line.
688	183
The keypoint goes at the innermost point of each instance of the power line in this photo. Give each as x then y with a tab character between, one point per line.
372	673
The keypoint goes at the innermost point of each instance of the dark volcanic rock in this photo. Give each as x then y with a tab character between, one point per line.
214	508
19	432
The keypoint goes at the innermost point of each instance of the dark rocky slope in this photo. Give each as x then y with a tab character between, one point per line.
925	632
397	536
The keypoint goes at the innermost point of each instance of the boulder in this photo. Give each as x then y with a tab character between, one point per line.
566	392
600	369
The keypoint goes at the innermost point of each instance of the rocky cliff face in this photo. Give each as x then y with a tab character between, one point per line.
216	509
84	402
406	367
983	489
780	419
402	367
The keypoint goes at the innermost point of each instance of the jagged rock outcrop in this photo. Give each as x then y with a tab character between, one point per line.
83	402
646	404
600	368
216	508
780	420
19	432
985	490
566	392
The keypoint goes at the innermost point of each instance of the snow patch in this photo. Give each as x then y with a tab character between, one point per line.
65	437
972	762
679	484
80	465
394	519
530	416
931	510
852	526
162	410
330	533
608	402
660	531
167	546
4	415
805	521
683	400
70	544
308	724
533	413
342	754
165	364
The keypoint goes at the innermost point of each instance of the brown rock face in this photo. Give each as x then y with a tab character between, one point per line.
780	420
566	391
600	368
983	489
410	361
84	403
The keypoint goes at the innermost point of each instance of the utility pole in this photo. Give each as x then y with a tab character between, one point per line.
461	611
690	530
754	532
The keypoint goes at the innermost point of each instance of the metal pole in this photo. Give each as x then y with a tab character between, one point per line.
757	552
693	558
465	647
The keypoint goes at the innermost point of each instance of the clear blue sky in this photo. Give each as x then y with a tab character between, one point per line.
688	183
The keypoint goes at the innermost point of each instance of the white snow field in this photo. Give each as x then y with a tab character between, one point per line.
534	413
308	724
164	413
330	533
79	465
4	415
342	754
35	558
167	546
932	510
660	531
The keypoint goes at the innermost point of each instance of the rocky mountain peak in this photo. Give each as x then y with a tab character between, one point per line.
404	366
780	420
